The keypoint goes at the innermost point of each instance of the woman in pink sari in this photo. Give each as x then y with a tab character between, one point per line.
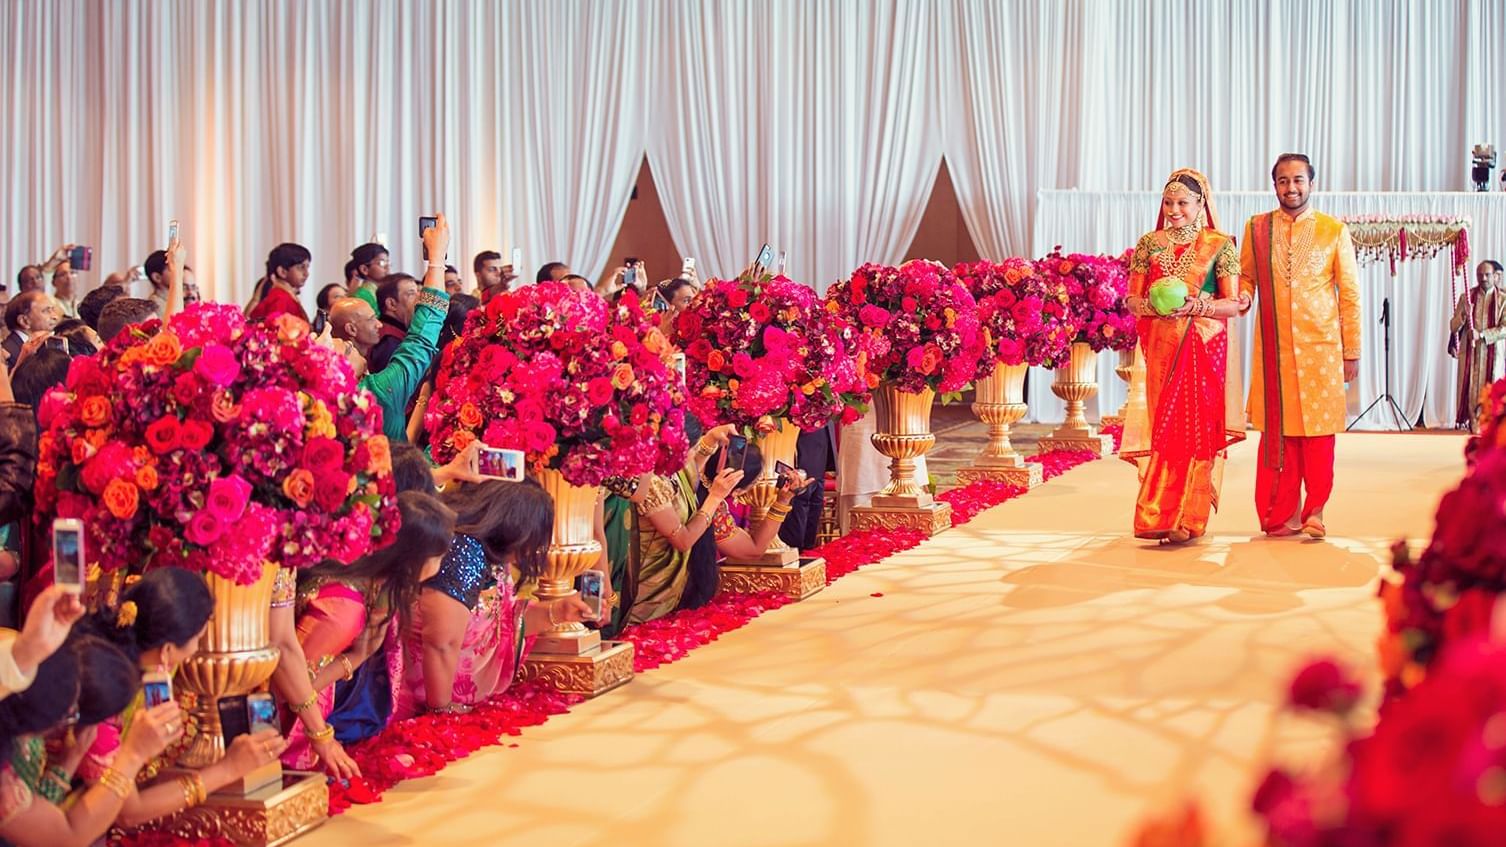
344	613
1193	414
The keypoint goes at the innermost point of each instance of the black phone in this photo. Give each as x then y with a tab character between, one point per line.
660	304
235	720
321	319
785	472
426	223
734	453
80	258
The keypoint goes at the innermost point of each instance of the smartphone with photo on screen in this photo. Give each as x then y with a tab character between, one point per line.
764	260
734	453
156	688
172	230
261	711
678	363
591	585
500	463
81	258
68	554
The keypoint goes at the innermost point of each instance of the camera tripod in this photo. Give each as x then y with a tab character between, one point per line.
1386	397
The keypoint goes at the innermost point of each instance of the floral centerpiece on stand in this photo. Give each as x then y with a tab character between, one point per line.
580	386
916	325
217	445
1096	287
765	348
1025	317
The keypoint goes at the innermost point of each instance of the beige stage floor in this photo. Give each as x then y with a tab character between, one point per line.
1036	677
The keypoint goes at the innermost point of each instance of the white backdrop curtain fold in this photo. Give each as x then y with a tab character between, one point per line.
811	126
818	126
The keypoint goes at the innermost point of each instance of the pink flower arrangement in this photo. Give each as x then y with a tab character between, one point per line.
914	326
1096	287
214	444
578	385
765	348
1025	318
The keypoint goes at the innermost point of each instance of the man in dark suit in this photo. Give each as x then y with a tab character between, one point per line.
26	315
815	453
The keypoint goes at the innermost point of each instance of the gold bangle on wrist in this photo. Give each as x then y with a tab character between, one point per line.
312	699
705	447
116	783
320	736
350	671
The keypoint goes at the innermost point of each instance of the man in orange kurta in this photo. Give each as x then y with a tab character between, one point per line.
1298	268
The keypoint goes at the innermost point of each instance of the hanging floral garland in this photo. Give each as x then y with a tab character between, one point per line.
1402	237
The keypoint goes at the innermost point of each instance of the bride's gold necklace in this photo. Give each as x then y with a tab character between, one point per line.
1178	236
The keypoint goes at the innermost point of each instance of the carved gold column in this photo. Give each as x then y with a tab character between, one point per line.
903	433
1000	402
236	656
780	568
1075	382
571	657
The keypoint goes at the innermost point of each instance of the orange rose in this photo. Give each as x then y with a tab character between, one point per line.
715	360
619	350
96	437
290	328
470	416
80	450
380	451
622	377
146	478
654	342
224	408
164	349
299	486
94	411
121	498
141	454
461	439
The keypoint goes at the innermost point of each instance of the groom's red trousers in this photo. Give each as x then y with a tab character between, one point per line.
1307	460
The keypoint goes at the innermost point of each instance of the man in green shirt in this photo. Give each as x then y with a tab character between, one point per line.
355	322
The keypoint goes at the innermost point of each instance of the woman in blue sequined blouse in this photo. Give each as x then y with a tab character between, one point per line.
467	639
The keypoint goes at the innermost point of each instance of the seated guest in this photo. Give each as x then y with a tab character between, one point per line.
278	292
39	373
155	267
577	282
63	290
27	820
492	277
48	622
344	611
328	295
676	556
397	296
30	278
466	641
159	625
552	272
452	281
81	338
369	264
95	301
674	296
123	312
27	314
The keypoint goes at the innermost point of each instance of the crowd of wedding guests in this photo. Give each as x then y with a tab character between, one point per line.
438	621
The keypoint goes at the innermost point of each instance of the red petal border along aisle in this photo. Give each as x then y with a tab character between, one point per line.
422	746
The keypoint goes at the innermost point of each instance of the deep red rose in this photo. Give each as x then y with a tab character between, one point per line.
1322	685
599	391
195	434
323	455
760	313
699	349
164	435
186	388
639	414
737	297
330	490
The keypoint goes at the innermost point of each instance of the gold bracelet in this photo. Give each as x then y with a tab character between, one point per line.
780	510
116	783
201	791
313	698
322	735
705	513
350	672
705	447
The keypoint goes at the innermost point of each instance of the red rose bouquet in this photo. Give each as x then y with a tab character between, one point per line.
916	326
214	444
1096	287
765	348
1024	317
578	385
1431	771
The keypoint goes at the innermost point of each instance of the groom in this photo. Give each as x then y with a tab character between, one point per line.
1297	267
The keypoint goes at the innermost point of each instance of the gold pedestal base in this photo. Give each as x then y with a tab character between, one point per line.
1098	445
933	519
797	581
1112	420
589	675
265	818
1026	475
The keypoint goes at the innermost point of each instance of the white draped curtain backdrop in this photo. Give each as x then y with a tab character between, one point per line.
817	126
